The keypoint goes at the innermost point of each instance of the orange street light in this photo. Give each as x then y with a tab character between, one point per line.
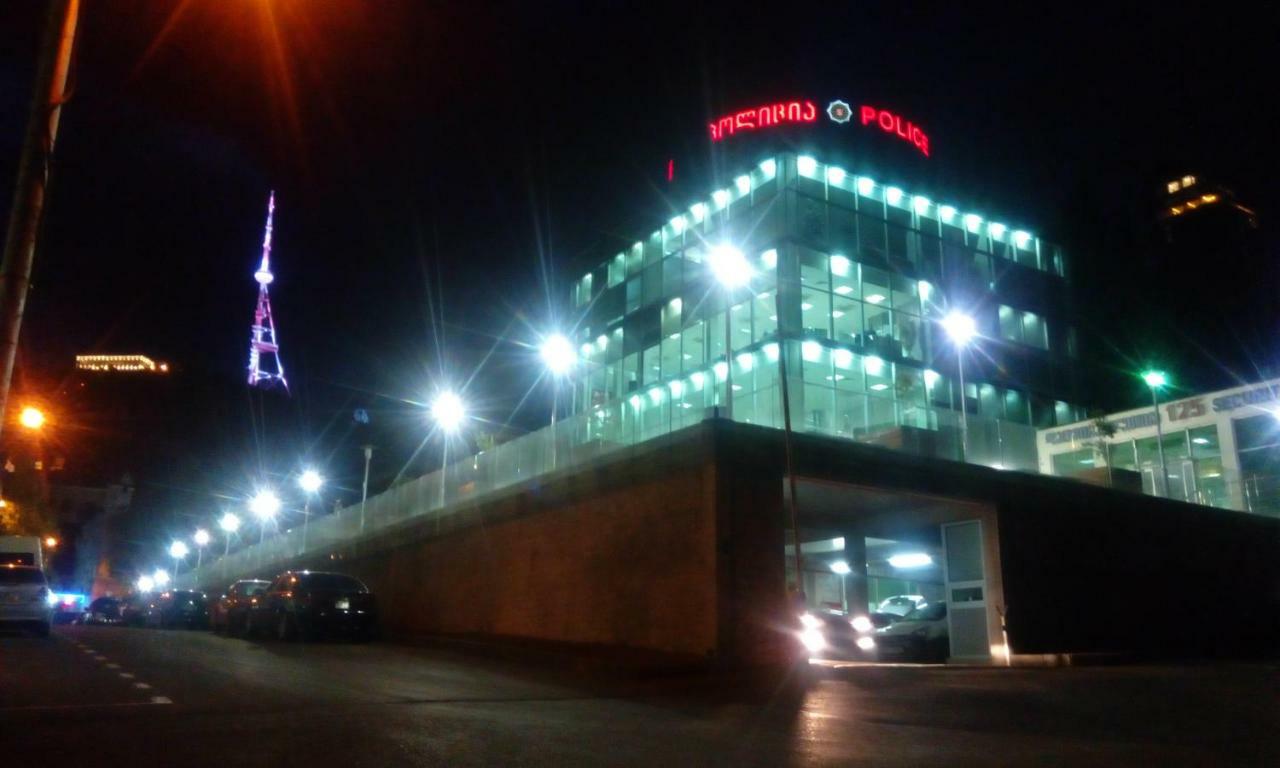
51	541
31	417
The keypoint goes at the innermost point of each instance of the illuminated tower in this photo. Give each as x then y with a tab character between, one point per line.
264	344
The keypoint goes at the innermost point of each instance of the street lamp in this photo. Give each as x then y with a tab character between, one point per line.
310	482
160	578
1155	381
201	538
560	357
51	542
961	329
31	417
264	505
448	411
145	583
229	524
177	550
732	271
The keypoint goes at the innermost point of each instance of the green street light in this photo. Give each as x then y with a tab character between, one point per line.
1156	380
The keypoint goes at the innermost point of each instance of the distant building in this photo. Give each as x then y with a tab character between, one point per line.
120	364
1221	449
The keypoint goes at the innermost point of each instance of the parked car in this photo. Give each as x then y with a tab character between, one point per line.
900	605
68	607
178	608
921	635
133	609
310	603
228	612
25	598
105	610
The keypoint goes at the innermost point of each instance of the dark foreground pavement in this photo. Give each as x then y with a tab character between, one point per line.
92	696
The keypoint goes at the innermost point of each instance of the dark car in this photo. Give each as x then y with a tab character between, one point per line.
133	609
178	608
310	603
105	610
228	612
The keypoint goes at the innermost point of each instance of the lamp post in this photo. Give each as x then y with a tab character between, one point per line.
731	270
177	550
448	411
1155	381
201	538
560	357
310	482
230	523
160	578
364	487
961	329
842	569
264	505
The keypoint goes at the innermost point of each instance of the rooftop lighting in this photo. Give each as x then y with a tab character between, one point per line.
921	204
743	183
835	175
807	166
1021	239
866	186
972	221
893	195
947	212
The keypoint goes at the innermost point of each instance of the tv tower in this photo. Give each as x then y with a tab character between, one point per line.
263	343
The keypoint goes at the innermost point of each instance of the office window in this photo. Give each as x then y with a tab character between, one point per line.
583	291
617	270
1023	327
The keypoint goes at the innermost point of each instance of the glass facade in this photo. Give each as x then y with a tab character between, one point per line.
848	279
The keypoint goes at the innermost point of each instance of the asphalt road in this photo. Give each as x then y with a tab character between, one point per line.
132	697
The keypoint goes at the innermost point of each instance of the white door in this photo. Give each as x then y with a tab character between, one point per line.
962	557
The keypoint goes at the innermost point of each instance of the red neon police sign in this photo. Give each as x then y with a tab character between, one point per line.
763	117
805	111
895	124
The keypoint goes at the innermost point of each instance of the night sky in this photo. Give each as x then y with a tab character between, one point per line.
437	168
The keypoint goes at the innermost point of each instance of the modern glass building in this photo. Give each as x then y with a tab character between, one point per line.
1220	449
848	280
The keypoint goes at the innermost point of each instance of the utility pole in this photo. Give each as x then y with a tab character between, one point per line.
34	170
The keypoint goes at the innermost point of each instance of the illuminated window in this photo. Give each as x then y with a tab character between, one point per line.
1188	181
1209	198
1174	186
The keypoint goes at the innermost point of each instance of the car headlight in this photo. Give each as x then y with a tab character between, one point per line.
51	599
809	621
812	639
866	643
862	624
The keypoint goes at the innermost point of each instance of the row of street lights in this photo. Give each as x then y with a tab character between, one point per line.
449	413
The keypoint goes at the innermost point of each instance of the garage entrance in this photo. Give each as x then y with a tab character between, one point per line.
897	577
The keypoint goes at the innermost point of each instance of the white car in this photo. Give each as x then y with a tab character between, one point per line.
921	635
25	598
900	605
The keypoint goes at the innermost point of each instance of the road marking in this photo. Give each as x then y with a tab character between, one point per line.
142	686
127	675
161	700
113	665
